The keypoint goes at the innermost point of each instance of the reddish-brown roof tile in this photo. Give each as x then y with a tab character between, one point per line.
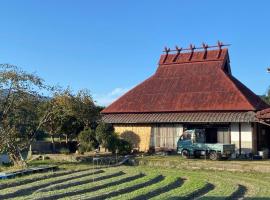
264	114
183	85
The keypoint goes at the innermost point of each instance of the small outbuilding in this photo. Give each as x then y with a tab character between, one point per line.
192	88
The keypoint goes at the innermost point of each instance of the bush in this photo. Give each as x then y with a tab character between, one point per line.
124	147
64	150
116	143
87	140
105	135
111	142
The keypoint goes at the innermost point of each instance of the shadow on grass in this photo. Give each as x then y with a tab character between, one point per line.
196	194
128	189
166	188
28	191
42	177
95	188
89	180
239	193
246	198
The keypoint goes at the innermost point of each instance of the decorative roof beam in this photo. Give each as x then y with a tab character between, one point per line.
218	46
178	53
166	50
191	47
205	46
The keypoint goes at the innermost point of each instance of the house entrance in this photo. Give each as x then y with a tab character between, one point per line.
263	137
214	133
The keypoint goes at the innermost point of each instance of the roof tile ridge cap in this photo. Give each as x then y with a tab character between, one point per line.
191	62
104	111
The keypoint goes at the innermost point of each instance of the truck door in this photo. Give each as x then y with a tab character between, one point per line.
211	135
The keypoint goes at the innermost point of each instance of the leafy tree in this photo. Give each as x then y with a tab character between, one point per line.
85	109
87	140
71	113
20	114
105	135
53	124
266	97
110	140
71	127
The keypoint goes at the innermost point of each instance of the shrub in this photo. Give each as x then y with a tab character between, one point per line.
124	147
105	135
63	150
112	142
116	143
87	140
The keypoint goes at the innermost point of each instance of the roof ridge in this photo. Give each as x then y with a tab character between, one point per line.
191	62
193	57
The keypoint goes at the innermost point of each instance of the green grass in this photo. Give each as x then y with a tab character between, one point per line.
78	181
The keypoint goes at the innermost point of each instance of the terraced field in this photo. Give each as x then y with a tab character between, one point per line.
77	181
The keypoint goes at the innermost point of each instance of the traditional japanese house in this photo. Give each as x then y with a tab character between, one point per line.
192	88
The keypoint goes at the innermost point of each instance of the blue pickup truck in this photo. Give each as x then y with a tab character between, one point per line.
192	144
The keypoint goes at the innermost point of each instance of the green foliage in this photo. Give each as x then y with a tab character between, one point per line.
266	97
105	135
20	116
24	112
64	150
124	147
112	142
87	140
109	139
71	113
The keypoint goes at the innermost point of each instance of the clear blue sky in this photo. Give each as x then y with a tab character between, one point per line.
110	46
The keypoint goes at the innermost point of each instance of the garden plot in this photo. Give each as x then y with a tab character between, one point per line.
137	183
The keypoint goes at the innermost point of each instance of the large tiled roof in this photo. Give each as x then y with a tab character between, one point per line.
189	82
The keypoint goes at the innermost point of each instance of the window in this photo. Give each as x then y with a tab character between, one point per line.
223	136
165	136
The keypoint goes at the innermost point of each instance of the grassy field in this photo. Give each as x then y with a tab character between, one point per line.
83	181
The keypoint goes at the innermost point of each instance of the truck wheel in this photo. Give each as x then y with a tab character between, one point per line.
214	155
185	153
197	154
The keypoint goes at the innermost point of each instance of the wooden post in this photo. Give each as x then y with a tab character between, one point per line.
254	138
240	138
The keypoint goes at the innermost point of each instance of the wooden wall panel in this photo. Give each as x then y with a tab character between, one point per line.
141	134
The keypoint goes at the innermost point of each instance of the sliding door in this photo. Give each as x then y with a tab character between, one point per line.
166	136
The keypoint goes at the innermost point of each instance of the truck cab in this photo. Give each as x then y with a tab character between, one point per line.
192	144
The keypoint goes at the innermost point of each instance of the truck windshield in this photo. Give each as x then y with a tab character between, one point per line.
199	136
186	135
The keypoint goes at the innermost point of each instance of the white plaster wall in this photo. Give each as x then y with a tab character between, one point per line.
246	137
